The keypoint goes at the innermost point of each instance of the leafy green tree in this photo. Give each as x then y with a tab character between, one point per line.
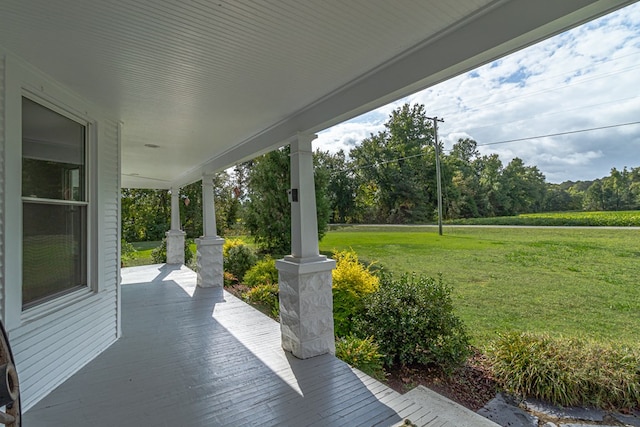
267	210
557	199
145	214
464	191
398	163
594	197
341	189
491	199
524	188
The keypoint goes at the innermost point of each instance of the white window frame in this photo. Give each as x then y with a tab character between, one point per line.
48	306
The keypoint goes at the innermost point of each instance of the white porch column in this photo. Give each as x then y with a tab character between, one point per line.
209	254
175	236
306	299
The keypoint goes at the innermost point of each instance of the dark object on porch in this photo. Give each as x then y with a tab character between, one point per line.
9	388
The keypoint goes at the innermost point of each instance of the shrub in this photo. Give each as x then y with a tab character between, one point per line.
127	251
263	273
159	254
230	243
352	281
567	372
240	258
229	279
361	353
412	320
265	295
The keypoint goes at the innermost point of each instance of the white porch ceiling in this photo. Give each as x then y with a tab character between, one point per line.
215	82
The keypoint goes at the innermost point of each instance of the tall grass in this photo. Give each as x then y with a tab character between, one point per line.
567	372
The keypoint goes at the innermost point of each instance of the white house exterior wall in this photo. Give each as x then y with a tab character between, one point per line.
52	341
2	180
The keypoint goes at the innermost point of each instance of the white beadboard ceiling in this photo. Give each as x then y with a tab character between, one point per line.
215	82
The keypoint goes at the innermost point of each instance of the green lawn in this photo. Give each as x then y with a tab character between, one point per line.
574	282
143	254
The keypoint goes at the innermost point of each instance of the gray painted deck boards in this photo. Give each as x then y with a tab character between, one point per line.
201	357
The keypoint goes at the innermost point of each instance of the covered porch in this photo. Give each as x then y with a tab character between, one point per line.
201	357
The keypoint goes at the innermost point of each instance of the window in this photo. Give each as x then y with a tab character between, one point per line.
54	204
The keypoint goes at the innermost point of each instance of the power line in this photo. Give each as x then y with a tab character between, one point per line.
559	134
396	160
551	113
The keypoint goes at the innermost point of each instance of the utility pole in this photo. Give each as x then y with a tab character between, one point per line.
438	179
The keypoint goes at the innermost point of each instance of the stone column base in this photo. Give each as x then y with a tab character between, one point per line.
175	246
209	257
306	306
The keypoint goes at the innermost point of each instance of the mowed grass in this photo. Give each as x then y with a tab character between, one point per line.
143	253
570	282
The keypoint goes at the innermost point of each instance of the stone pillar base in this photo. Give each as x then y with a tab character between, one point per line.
209	257
306	305
175	246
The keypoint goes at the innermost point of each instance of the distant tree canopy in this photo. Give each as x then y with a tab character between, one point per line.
389	178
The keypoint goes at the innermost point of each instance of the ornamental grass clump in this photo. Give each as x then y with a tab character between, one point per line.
361	353
352	281
412	320
567	371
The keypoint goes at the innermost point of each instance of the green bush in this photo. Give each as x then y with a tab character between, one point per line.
265	295
567	372
412	320
352	281
127	251
159	254
230	243
361	353
263	273
239	260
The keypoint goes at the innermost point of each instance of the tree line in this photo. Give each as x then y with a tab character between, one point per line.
390	178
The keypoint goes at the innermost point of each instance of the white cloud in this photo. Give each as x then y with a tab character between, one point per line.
585	78
347	135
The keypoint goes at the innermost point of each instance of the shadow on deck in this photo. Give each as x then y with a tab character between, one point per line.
201	357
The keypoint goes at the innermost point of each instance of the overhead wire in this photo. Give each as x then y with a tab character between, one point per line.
395	160
559	134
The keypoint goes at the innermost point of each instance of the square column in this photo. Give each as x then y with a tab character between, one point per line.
306	307
209	257
304	277
209	254
175	236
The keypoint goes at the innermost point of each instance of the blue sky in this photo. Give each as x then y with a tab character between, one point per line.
586	78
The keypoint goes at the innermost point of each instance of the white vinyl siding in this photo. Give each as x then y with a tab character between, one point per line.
2	180
108	193
54	340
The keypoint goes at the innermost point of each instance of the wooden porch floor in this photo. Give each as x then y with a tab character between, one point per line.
201	357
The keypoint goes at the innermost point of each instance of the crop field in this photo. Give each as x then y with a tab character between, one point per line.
609	219
572	282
